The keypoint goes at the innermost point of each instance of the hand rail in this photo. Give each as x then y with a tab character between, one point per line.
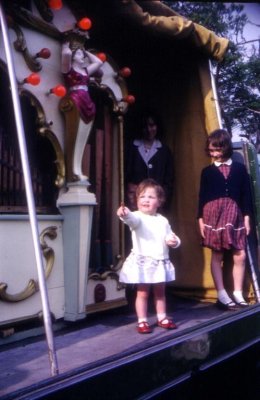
29	194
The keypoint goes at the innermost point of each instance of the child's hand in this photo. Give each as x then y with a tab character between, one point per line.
122	211
172	240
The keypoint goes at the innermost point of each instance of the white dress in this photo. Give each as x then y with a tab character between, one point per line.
149	260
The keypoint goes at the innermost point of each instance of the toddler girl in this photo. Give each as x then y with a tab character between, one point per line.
148	263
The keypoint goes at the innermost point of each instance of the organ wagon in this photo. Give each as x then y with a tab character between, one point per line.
150	56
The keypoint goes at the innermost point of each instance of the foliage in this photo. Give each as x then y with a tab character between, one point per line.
238	75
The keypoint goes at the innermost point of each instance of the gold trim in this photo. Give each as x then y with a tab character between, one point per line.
71	115
43	128
48	252
28	19
95	276
33	285
30	289
21	46
45	11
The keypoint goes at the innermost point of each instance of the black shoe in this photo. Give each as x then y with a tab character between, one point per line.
227	306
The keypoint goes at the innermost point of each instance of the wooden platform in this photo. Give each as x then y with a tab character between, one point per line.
104	352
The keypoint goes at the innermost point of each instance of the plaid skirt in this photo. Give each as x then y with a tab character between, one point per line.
224	225
144	269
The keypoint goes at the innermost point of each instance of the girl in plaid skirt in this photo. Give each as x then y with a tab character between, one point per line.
224	209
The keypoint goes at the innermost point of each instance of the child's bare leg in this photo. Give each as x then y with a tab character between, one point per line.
216	269
239	257
160	300
141	302
160	305
217	275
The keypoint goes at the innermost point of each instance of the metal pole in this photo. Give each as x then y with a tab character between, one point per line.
29	195
253	267
253	274
121	177
215	94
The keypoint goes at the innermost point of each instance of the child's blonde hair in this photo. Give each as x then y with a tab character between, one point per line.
151	183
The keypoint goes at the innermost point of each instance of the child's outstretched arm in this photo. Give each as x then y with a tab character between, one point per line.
128	217
122	211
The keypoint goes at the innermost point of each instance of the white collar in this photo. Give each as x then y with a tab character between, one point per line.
156	143
228	162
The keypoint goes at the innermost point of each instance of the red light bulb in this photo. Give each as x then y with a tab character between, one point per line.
59	91
84	24
33	79
125	72
55	4
44	53
130	99
102	56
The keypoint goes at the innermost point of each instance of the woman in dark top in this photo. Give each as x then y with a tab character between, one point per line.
147	157
224	210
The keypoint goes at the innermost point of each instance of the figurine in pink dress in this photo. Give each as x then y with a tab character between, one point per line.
77	66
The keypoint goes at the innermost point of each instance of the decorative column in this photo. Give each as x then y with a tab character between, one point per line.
76	206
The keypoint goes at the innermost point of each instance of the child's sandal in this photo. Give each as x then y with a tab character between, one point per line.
143	327
167	323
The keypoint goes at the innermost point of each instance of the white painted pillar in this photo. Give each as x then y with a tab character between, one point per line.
76	206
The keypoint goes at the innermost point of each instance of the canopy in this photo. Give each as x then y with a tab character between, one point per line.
154	16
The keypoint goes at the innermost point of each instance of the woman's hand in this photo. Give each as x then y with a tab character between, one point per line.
202	227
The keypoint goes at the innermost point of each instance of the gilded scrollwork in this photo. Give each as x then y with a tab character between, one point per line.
18	14
29	19
44	10
95	276
21	46
48	252
44	129
31	288
33	285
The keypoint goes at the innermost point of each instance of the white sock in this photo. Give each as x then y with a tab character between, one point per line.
224	297
142	320
160	317
238	296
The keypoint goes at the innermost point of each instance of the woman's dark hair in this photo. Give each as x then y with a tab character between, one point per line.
151	183
142	118
221	139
